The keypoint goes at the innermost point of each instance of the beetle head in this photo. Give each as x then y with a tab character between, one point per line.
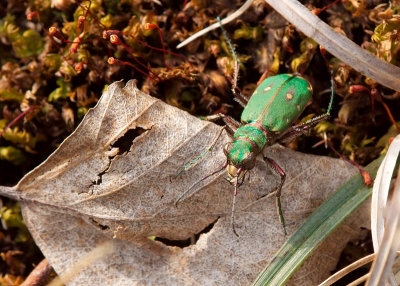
239	156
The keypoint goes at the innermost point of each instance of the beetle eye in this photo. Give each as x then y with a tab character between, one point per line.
249	162
228	148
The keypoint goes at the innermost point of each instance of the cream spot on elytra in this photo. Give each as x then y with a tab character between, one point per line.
289	96
267	88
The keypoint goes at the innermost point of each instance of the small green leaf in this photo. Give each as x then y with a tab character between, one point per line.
12	154
61	92
81	112
248	33
52	62
29	44
11	217
11	94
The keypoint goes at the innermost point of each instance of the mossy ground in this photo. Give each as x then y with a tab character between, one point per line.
50	78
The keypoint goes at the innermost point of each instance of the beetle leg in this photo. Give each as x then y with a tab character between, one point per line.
183	195
234	202
231	124
240	98
301	129
242	179
187	166
311	123
282	174
305	128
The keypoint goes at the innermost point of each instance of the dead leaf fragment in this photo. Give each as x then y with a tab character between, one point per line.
114	180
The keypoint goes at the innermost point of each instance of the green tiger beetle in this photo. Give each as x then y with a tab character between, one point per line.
267	119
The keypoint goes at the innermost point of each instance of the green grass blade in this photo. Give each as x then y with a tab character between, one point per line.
316	228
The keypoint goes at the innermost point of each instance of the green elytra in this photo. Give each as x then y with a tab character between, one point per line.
277	102
267	119
272	108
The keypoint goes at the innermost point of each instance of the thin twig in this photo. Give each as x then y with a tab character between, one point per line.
216	25
39	275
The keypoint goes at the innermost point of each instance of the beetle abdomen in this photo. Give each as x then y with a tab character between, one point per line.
278	101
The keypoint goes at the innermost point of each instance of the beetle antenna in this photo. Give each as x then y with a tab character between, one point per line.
188	165
236	61
313	121
234	201
199	181
332	94
323	54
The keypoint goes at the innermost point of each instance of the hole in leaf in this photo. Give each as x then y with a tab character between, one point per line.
124	143
98	225
186	242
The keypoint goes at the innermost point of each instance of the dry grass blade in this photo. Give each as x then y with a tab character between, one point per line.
343	272
349	268
380	191
359	280
88	259
378	205
382	267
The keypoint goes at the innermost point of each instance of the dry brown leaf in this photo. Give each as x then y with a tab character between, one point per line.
114	180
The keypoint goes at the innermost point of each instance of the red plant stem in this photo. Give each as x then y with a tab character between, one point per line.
358	88
131	51
114	39
54	32
263	76
16	119
319	10
30	16
152	26
375	93
366	176
93	16
108	33
113	61
322	50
